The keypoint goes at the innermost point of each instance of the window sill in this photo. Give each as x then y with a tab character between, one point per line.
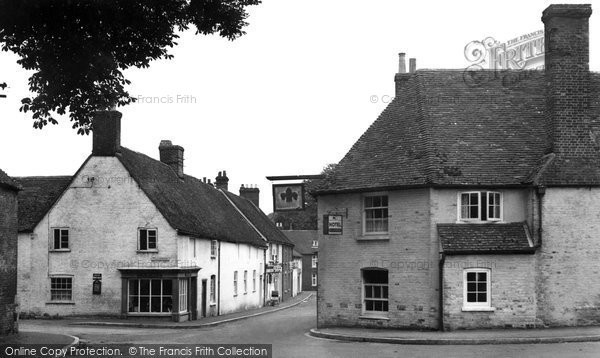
153	251
212	257
374	237
60	302
60	250
478	309
374	317
463	221
212	304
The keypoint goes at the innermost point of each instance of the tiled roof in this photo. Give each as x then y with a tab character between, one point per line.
37	197
302	240
439	130
8	182
189	205
484	238
259	219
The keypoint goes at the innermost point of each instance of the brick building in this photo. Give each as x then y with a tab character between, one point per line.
129	235
306	242
8	254
472	206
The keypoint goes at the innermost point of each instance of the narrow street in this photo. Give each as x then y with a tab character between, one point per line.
287	331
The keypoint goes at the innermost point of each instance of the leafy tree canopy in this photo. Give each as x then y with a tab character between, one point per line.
79	48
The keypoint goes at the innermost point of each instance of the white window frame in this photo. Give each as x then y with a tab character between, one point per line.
245	282
254	281
478	306
150	295
315	260
373	313
364	213
235	283
183	294
61	230
314	279
139	242
213	289
68	290
488	193
315	244
213	249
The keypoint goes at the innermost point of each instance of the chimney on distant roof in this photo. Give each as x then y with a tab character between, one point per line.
412	65
106	133
401	77
566	31
172	155
222	181
250	193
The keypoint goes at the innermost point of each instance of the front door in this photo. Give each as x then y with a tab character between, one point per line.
203	298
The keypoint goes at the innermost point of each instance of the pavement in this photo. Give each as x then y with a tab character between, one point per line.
204	322
47	339
462	337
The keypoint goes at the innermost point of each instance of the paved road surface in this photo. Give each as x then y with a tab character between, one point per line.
286	330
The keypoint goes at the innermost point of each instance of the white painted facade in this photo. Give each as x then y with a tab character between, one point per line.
296	276
103	218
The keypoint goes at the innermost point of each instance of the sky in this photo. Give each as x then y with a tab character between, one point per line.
288	98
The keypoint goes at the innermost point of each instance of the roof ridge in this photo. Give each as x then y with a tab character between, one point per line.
243	216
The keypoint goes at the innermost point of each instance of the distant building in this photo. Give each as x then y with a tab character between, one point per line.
296	273
306	242
133	236
472	206
8	254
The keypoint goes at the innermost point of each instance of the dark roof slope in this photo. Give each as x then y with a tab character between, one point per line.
302	240
484	238
37	197
443	130
189	205
259	219
8	182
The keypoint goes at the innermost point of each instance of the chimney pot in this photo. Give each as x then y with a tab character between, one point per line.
402	63
106	133
412	63
222	181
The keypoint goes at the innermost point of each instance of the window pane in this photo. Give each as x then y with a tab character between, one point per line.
145	287
378	306
155	286
369	305
151	239
471	286
133	287
481	276
57	238
385	291
473	212
167	304
156	304
377	291
481	297
133	303
144	304
471	276
368	202
482	287
143	240
167	287
471	297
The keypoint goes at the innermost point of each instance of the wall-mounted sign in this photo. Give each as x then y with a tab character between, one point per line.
97	284
333	224
274	268
288	197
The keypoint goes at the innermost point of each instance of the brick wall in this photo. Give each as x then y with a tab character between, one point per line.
406	253
307	271
8	260
512	292
567	285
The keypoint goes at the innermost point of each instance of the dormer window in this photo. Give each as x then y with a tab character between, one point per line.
480	206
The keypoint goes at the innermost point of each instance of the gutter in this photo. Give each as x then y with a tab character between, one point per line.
441	290
540	192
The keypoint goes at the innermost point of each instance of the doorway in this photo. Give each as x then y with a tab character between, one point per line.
203	310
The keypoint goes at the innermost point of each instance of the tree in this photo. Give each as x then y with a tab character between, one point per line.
306	219
79	48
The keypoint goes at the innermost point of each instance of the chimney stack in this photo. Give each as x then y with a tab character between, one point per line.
106	133
412	65
401	77
250	193
222	181
172	155
566	31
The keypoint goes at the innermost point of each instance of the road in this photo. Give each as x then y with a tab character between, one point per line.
286	330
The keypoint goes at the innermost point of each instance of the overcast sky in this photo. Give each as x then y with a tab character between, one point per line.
289	97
